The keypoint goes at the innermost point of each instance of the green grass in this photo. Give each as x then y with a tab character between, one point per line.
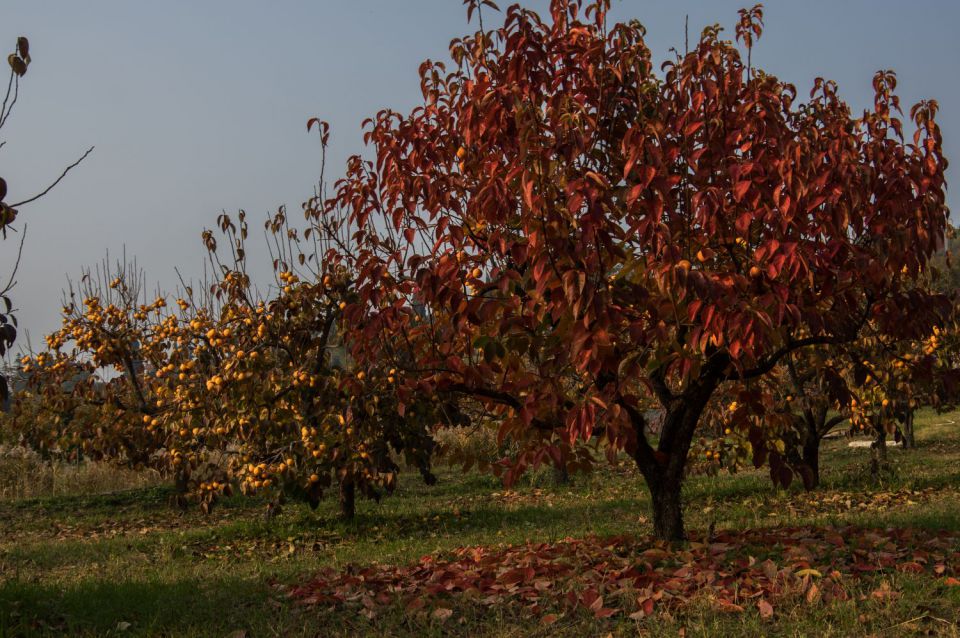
89	565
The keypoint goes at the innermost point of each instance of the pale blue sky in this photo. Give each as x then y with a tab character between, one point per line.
196	107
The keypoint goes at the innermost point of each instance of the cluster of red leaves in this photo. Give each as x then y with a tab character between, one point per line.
638	576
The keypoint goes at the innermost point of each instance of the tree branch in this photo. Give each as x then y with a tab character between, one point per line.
497	396
775	358
832	423
57	181
659	384
644	455
16	266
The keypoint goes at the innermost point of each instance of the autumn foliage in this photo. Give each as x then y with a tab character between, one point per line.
224	390
564	239
636	578
567	236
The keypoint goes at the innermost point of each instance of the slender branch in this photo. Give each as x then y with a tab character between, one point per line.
6	98
16	266
497	396
135	383
801	392
659	383
832	423
4	116
57	181
790	346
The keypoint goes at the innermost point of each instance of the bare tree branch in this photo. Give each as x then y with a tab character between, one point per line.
50	187
16	265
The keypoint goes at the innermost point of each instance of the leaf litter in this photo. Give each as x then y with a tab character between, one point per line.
636	577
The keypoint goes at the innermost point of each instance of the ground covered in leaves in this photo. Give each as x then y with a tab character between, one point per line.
638	576
468	558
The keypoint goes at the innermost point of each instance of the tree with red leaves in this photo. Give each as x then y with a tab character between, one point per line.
566	236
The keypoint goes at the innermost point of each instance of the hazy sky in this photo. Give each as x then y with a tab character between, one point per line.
198	107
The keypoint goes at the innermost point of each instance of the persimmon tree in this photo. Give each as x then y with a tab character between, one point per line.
565	235
862	383
812	385
226	389
889	381
877	382
91	394
18	61
303	415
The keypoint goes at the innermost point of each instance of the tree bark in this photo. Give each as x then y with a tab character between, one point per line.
561	475
181	485
667	509
909	441
878	452
347	499
811	458
663	469
815	427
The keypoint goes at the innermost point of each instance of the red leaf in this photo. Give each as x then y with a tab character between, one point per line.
591	600
416	603
740	189
528	193
729	607
766	609
692	128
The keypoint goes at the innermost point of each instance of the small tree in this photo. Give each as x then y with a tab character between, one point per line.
89	392
227	388
813	384
564	235
301	415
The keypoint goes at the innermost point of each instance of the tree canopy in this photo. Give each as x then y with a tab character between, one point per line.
567	236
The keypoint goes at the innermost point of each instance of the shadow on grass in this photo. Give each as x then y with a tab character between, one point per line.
212	607
141	498
362	535
485	518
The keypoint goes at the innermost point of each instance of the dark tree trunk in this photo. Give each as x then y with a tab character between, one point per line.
561	475
878	452
909	441
181	485
811	458
816	426
663	469
347	499
667	509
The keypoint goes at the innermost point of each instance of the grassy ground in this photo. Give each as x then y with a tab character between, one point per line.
123	563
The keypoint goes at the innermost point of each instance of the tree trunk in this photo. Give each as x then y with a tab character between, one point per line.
811	458
878	452
667	509
181	486
663	469
347	499
909	441
561	475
